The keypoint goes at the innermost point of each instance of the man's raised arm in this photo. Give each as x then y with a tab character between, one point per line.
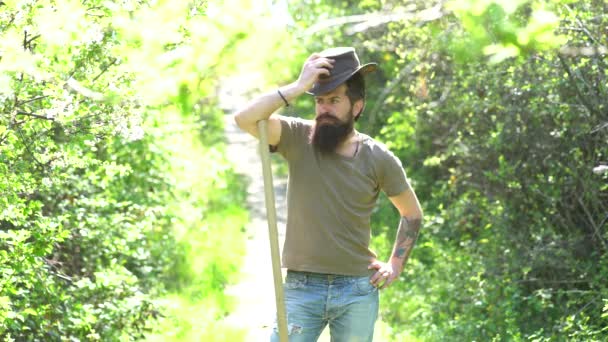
264	105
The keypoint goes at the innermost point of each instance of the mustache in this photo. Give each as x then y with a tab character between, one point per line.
327	116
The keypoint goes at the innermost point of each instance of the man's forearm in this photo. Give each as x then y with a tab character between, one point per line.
263	106
407	234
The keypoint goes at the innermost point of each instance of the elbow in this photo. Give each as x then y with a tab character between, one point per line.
418	214
415	217
415	214
243	121
238	120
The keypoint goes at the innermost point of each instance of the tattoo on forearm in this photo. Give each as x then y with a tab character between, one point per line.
406	237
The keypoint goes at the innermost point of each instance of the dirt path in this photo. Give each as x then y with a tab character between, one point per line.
254	294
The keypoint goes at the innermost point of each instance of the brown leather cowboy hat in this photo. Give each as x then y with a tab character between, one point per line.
345	66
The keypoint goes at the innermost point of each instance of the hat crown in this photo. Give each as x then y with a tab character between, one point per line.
345	58
336	51
346	64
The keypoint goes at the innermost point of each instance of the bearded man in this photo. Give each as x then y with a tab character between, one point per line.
335	176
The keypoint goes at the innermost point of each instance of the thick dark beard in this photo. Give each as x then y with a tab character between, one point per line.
328	132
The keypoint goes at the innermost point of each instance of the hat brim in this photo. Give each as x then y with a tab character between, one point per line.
326	85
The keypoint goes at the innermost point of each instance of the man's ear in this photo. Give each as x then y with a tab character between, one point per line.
358	108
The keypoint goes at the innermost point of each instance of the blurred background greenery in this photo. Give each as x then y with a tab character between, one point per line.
121	219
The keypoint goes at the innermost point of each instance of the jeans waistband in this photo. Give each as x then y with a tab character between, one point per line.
323	277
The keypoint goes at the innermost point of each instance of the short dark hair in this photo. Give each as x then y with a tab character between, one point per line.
355	90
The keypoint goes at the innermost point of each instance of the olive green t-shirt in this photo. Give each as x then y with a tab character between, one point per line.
330	199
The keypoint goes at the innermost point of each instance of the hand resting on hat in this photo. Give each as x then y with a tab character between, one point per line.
262	107
314	68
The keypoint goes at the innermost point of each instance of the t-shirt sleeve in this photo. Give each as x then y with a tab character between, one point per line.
289	135
393	180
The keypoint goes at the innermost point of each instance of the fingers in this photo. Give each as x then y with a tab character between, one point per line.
382	279
378	280
318	61
314	67
375	264
376	277
314	56
384	276
389	280
324	63
321	65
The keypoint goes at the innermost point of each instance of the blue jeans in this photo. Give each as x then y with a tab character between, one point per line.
349	304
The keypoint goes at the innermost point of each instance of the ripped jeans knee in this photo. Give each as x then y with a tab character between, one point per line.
295	331
292	328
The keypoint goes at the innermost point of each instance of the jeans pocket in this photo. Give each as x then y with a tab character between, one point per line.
294	281
363	287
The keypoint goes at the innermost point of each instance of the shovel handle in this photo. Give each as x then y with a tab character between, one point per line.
273	234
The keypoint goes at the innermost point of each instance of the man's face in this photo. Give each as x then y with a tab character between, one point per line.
334	120
334	103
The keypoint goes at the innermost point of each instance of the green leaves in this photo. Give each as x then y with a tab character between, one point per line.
97	98
505	29
14	237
